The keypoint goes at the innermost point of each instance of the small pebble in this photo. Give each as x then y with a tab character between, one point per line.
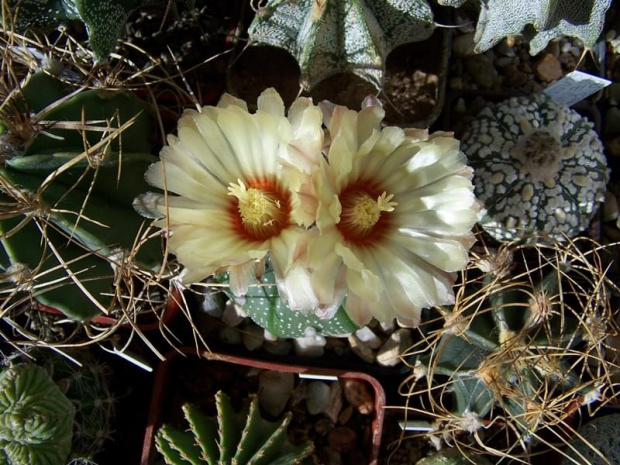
359	396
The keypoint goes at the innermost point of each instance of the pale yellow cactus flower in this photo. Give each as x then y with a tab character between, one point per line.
239	187
396	210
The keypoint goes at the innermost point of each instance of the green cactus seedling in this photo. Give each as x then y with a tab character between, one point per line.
36	418
242	438
336	36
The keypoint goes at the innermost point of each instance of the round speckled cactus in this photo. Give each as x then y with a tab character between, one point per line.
539	168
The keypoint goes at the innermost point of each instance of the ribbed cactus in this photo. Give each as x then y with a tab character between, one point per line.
539	20
230	439
263	304
36	418
104	19
67	193
86	388
522	344
336	36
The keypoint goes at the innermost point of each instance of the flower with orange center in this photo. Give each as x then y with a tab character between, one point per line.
243	190
396	209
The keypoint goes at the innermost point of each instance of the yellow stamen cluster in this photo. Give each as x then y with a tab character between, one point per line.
360	213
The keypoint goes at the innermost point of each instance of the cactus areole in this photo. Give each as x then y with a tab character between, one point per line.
539	168
337	36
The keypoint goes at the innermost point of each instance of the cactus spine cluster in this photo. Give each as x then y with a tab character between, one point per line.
523	344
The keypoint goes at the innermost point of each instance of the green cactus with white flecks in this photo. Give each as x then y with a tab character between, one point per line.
539	21
336	36
265	307
66	192
231	438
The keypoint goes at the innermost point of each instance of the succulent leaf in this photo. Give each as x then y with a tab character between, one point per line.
36	419
336	36
205	430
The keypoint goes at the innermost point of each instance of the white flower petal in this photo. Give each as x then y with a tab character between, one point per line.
270	102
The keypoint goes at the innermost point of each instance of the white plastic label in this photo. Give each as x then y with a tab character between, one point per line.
575	86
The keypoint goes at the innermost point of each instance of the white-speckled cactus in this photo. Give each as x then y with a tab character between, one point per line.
539	20
336	36
539	168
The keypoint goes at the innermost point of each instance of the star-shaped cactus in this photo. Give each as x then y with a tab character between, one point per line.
336	36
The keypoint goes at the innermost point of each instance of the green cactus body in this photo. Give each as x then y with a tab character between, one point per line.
539	20
263	304
231	438
539	167
104	19
73	219
336	36
36	418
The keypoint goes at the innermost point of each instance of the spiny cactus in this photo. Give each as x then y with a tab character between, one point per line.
539	20
520	346
67	192
264	305
36	418
230	439
104	19
336	36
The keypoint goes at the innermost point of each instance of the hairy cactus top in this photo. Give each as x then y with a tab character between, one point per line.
36	419
337	36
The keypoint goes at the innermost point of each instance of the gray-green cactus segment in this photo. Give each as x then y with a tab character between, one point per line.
539	167
263	304
104	19
596	439
336	36
539	20
231	438
86	211
501	357
36	418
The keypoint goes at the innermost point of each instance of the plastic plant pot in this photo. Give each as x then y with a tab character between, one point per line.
166	393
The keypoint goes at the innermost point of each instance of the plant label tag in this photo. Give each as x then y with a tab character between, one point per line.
575	86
